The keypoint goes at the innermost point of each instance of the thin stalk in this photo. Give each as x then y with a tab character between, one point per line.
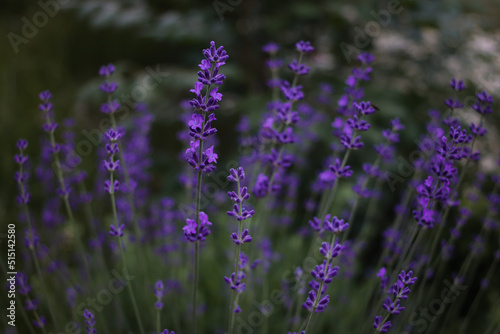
33	254
196	244
25	316
122	253
234	295
331	195
318	295
158	321
69	212
383	321
37	317
123	165
478	296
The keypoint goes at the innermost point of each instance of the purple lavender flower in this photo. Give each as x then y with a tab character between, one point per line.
483	103
21	176
400	290
457	85
271	48
159	292
304	47
40	322
197	231
382	328
242	236
89	322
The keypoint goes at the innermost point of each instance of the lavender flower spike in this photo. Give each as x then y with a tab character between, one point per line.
89	322
400	290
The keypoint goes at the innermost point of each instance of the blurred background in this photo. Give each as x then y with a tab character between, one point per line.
60	45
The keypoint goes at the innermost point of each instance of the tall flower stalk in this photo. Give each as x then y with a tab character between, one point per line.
323	274
202	161
50	126
117	230
235	281
23	199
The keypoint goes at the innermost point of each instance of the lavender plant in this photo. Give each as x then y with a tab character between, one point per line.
439	222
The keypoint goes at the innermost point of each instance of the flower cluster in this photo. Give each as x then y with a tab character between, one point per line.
436	187
353	92
159	292
89	322
317	299
23	288
200	125
112	185
21	176
400	290
235	281
277	127
197	231
108	87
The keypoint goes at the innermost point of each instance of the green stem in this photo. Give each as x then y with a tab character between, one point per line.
196	244
32	251
69	212
122	253
158	321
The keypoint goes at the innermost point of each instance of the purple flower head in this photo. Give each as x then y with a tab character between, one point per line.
311	303
40	323
271	48
106	70
116	232
211	156
111	189
477	130
364	108
236	175
113	135
381	327
110	107
261	186
159	292
483	103
108	87
197	232
425	217
89	322
366	58
244	237
291	93
330	252
343	172
45	96
390	136
357	124
235	281
393	307
215	55
335	225
453	103
351	143
31	304
275	64
304	47
457	85
396	125
299	69
22	144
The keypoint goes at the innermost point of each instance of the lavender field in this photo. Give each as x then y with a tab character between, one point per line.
238	167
